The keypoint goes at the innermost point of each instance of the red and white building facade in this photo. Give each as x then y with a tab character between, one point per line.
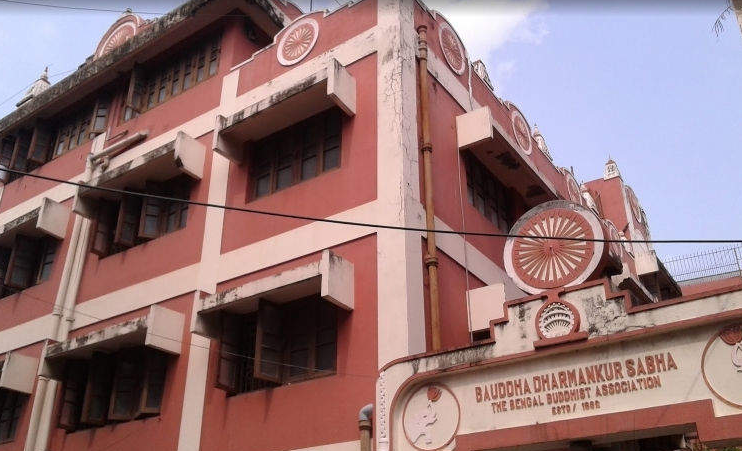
131	319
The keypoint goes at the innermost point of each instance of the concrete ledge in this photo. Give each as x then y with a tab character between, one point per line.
331	86
18	372
160	329
184	155
479	133
332	277
51	218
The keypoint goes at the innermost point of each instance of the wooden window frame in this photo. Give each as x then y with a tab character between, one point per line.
266	154
494	201
50	247
111	213
76	374
41	146
101	376
242	353
145	90
11	411
100	380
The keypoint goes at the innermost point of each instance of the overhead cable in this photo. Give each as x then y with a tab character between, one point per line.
357	223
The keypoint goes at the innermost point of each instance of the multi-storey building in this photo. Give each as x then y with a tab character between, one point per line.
137	312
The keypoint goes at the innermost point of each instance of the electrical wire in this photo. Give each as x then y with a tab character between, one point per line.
358	223
109	10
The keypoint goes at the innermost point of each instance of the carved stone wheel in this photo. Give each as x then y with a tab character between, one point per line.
122	30
453	51
297	42
538	260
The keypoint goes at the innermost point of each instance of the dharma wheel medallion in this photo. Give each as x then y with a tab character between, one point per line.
453	51
554	246
297	42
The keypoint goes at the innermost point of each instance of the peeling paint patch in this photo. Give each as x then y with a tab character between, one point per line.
603	316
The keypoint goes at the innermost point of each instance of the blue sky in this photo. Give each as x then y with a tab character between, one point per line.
653	87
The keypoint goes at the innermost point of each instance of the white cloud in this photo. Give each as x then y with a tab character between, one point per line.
504	69
484	26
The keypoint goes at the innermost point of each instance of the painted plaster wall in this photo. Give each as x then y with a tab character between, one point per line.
450	179
38	300
334	29
353	183
156	257
313	412
64	167
454	310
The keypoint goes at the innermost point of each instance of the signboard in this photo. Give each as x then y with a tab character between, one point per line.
678	367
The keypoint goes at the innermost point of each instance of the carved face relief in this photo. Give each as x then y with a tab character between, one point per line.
297	41
431	417
722	365
453	51
521	131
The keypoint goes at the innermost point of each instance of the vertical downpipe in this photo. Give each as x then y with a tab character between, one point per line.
431	260
364	426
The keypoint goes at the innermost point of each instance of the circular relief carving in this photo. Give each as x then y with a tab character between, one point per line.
521	130
556	319
721	365
453	51
431	417
121	31
538	260
547	262
298	41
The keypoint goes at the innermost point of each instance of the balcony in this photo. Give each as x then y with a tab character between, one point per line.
478	132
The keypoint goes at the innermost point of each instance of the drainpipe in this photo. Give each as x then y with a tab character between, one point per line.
431	261
364	426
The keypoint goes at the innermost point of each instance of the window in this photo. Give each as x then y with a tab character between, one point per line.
278	344
487	194
296	153
11	407
121	386
28	262
122	224
147	89
79	128
14	150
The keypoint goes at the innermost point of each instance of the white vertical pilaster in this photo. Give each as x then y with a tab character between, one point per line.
401	318
189	437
